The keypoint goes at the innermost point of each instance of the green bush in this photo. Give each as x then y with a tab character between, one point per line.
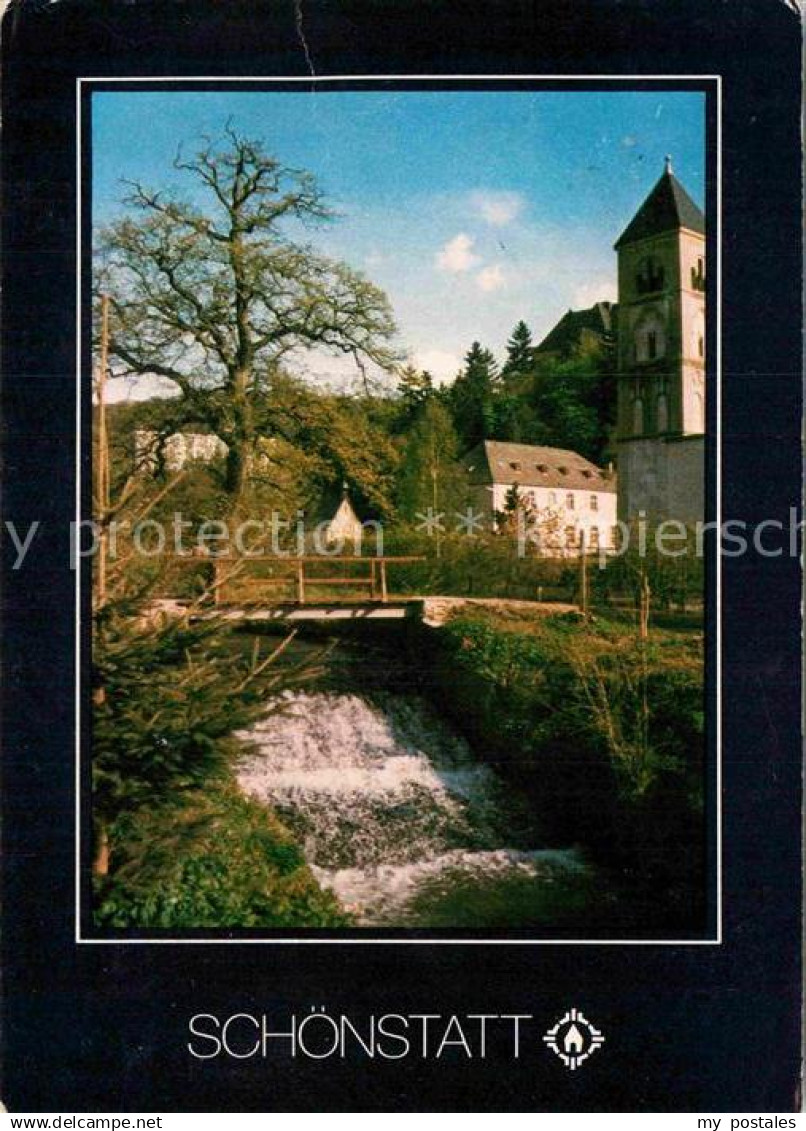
218	860
604	732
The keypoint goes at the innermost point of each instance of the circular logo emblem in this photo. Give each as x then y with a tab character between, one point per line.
574	1039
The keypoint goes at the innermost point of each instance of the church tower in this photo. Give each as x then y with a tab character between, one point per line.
661	356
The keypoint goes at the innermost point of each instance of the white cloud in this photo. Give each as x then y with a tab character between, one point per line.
457	255
442	365
498	208
490	279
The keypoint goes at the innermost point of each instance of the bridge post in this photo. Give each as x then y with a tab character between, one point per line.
216	586
383	580
301	583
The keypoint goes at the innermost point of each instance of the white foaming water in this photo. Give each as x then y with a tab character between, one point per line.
395	812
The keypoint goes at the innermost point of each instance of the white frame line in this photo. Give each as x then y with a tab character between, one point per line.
313	80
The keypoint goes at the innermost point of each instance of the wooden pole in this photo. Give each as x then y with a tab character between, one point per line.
301	583
383	581
646	597
103	452
583	574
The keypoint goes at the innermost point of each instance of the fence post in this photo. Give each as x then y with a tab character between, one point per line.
301	582
383	580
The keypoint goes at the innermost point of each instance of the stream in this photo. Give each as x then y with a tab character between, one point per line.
401	819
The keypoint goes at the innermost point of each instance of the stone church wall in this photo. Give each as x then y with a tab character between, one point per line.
663	478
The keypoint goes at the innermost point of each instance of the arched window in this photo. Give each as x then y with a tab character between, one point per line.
698	276
638	416
650	339
650	275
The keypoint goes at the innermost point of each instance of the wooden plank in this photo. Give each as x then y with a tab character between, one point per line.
338	581
323	558
289	580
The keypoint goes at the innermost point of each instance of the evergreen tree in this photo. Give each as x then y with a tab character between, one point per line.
574	401
519	351
472	397
416	386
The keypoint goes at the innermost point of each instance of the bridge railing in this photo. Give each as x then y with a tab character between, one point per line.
296	580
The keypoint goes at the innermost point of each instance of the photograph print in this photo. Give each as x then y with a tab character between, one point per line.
397	559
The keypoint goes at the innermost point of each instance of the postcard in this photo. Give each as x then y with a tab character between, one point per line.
401	608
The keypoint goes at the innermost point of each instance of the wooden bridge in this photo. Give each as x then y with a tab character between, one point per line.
307	588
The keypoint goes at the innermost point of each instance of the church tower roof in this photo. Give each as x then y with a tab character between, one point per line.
667	209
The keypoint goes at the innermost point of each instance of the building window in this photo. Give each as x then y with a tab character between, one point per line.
638	417
594	502
570	537
552	498
663	412
650	339
594	538
701	346
650	276
698	276
569	500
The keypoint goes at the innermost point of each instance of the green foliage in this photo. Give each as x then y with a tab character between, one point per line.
430	475
519	352
471	397
675	576
218	860
538	399
480	566
606	732
416	387
167	698
574	402
210	291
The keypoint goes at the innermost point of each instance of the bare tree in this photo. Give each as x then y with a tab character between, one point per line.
213	295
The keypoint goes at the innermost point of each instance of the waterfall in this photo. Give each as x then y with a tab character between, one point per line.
397	815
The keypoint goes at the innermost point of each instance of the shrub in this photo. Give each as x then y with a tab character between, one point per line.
217	860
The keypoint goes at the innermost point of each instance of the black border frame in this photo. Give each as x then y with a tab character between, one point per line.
687	1028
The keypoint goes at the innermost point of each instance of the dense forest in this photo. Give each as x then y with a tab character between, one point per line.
391	444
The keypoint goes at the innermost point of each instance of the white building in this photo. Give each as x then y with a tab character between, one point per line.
179	449
564	496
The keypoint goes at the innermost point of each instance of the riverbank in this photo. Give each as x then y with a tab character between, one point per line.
605	734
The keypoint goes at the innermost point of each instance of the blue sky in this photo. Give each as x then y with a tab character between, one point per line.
471	209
